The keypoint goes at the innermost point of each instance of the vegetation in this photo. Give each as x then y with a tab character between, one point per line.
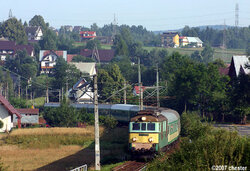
51	138
1	124
14	30
67	116
236	37
203	146
40	143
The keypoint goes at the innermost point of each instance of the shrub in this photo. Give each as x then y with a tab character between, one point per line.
1	124
204	146
108	121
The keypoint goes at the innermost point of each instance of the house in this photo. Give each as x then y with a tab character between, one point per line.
48	58
7	115
237	66
77	29
10	48
82	91
88	35
34	33
29	116
170	39
196	41
183	41
84	67
190	41
100	55
67	28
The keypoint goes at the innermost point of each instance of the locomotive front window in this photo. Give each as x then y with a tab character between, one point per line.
143	126
151	126
136	126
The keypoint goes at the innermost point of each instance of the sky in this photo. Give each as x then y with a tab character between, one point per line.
153	14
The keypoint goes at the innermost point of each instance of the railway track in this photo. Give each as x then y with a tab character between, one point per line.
131	166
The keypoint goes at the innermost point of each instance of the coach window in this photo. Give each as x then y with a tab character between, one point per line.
151	126
143	126
136	126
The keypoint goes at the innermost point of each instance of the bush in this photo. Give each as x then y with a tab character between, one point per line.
1	124
204	146
108	121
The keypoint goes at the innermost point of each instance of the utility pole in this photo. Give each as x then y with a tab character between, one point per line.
97	144
125	93
237	15
19	87
10	14
7	90
47	89
140	85
157	85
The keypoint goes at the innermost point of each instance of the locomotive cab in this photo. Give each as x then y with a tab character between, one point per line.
151	131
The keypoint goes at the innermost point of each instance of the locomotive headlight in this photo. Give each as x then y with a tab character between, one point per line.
143	118
134	139
150	139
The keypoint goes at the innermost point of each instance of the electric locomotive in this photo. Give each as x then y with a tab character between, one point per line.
152	131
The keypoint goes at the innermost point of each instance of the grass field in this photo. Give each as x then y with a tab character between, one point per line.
60	148
225	55
38	102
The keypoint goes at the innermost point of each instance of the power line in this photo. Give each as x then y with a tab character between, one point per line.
27	79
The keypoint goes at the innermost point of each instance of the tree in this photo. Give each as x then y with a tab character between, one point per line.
248	49
49	40
92	43
38	20
60	71
110	80
196	56
14	31
25	24
23	65
67	74
207	54
240	98
120	46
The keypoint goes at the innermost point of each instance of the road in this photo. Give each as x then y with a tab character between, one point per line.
244	130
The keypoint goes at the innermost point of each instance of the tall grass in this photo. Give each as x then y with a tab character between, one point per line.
51	137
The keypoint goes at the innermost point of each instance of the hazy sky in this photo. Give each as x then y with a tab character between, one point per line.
152	14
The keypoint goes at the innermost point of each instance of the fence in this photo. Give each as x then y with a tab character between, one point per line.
81	168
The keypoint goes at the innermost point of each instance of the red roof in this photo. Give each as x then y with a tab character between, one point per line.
28	111
11	45
105	55
57	52
88	32
9	107
70	57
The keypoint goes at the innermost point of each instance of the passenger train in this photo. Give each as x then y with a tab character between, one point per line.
150	130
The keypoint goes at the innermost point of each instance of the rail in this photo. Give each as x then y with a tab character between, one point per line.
81	168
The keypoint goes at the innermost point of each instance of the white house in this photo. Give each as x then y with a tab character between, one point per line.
82	91
48	59
34	33
238	66
7	114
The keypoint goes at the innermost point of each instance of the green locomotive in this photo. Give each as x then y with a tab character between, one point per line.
153	130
